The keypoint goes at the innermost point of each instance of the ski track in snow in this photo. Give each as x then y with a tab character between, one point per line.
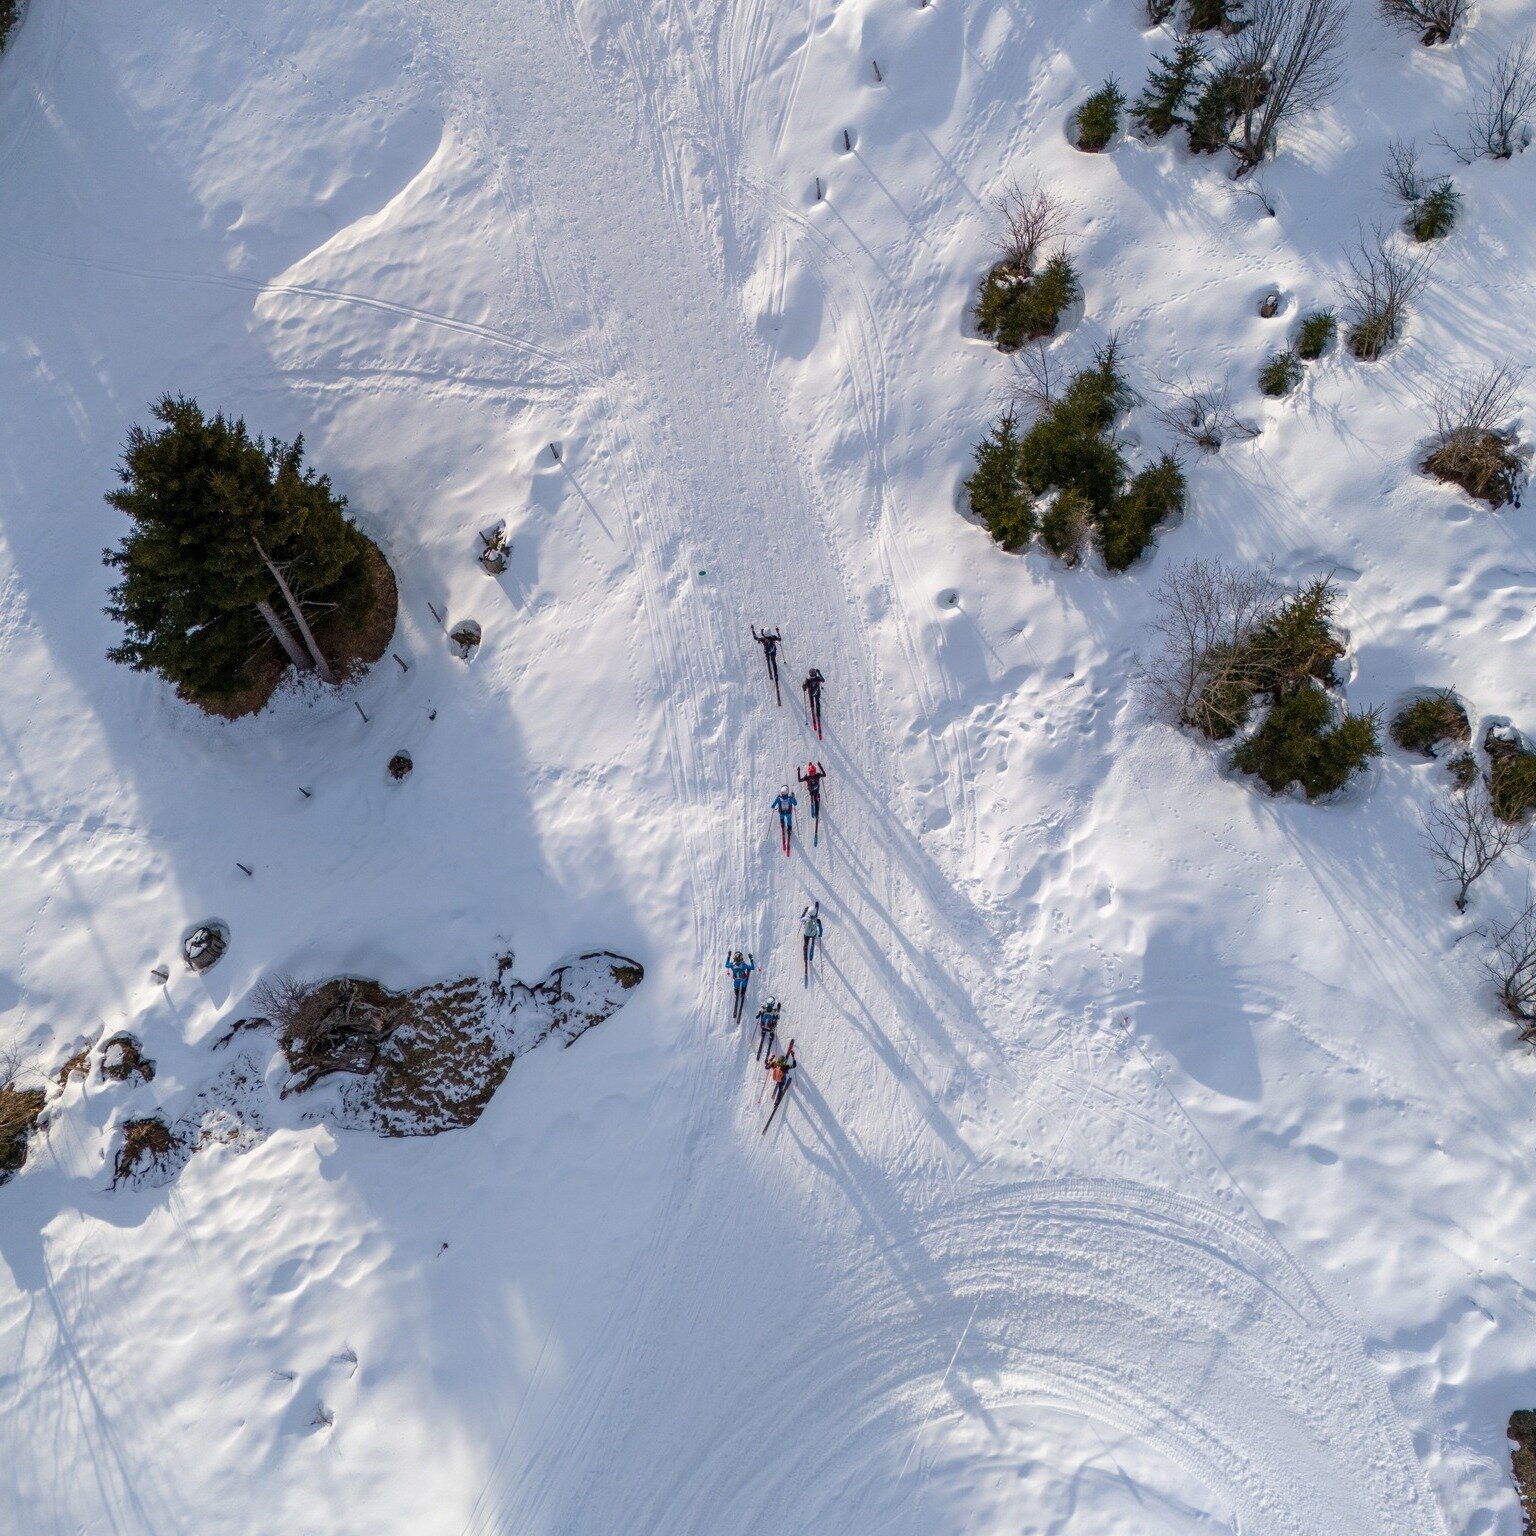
1012	1257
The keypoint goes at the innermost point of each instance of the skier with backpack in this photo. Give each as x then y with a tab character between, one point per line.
782	1070
811	687
810	932
769	640
812	776
767	1026
784	803
741	968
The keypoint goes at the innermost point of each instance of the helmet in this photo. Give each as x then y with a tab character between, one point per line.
771	1002
783	789
737	955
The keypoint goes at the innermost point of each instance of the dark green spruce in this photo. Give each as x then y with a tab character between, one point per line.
235	547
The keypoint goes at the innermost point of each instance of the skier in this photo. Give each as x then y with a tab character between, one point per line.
767	1026
810	931
811	778
782	1070
784	803
769	640
740	967
811	687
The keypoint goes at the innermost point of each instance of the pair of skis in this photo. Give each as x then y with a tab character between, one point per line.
813	701
781	1089
769	640
786	833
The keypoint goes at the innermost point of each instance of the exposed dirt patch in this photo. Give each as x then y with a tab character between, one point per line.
205	946
350	651
1522	1430
78	1065
429	1060
122	1058
149	1146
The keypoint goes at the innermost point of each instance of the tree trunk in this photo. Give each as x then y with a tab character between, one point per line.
284	636
322	666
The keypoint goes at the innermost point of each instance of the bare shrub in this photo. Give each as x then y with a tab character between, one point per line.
333	1026
1203	673
1202	415
1473	447
147	1144
1497	125
1466	838
1512	965
1284	62
1383	281
1433	20
1038	380
19	1111
1402	173
1031	220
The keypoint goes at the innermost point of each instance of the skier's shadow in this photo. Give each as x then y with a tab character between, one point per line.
895	1238
885	1048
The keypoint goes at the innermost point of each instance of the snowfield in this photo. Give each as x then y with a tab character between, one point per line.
1159	1162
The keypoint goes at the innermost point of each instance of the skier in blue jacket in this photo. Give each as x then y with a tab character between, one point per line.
741	967
784	803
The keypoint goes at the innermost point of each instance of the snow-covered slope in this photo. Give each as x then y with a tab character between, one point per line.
1157	1163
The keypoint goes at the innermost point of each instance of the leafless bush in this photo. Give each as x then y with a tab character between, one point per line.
1473	446
1383	281
1284	62
1402	173
1512	966
1202	673
1479	403
19	1109
1158	11
1497	123
1202	415
1038	380
1433	20
336	1026
1030	220
1466	838
147	1144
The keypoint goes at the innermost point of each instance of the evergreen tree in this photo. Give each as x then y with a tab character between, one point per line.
233	539
1160	106
1215	114
998	495
1131	519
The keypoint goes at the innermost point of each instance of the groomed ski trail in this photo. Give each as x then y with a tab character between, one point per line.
872	1183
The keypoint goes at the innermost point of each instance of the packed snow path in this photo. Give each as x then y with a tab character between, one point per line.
1050	1234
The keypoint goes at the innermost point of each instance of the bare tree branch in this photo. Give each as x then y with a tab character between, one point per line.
1402	173
1433	20
1202	673
1030	220
1512	966
1202	414
1284	62
1474	446
1383	280
1497	124
1466	838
